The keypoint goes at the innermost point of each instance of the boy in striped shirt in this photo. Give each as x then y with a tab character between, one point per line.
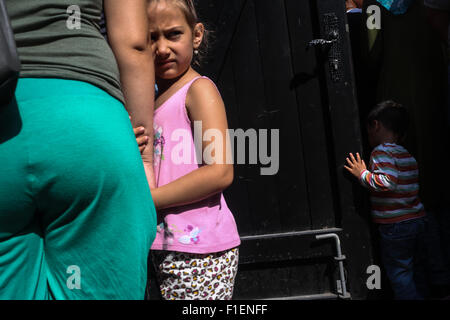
393	181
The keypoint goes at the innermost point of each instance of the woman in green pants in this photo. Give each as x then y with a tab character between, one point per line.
76	215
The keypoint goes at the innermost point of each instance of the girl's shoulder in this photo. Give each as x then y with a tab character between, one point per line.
202	90
201	83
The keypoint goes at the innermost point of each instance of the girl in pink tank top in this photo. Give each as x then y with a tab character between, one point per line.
195	250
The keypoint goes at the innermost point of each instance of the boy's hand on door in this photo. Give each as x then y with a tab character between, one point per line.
355	165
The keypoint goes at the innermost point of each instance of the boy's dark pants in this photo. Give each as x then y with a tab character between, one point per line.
403	253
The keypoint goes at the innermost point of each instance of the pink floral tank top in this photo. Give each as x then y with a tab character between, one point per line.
206	226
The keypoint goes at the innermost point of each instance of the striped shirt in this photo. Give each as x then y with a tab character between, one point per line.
393	181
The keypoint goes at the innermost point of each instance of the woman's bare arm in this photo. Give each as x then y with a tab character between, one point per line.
127	29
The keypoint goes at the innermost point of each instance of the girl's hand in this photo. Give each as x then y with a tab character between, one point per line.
143	142
355	166
141	138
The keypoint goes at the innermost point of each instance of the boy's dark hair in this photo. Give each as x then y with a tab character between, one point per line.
393	116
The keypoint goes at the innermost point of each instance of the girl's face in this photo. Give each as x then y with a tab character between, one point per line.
172	39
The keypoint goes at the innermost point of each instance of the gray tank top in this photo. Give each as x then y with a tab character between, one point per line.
62	39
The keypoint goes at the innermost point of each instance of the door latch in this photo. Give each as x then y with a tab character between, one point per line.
323	43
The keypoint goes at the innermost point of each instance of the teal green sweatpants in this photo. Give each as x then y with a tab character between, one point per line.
76	216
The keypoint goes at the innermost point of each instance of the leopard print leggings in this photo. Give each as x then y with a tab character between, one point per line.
185	276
